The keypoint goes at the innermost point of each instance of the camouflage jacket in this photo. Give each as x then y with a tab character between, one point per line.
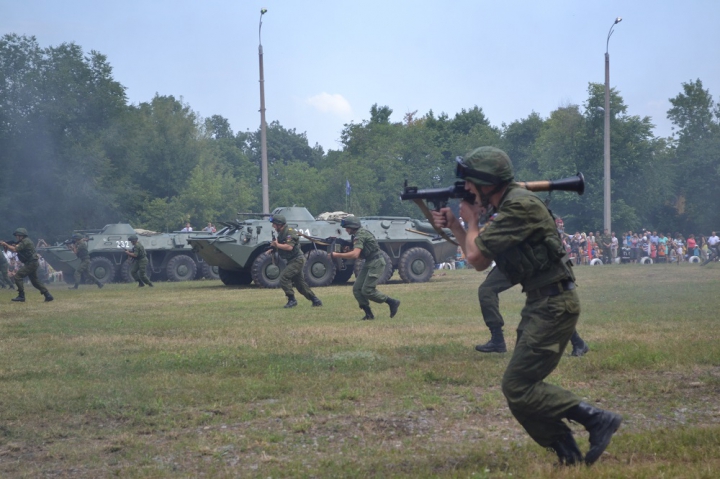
524	241
366	241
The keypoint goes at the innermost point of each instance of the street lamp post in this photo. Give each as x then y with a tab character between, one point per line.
263	125
606	187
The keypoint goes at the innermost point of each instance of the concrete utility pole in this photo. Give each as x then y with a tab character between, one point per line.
263	125
606	187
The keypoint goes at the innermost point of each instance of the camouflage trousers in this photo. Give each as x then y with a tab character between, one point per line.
547	324
365	285
84	268
293	275
29	270
495	283
138	271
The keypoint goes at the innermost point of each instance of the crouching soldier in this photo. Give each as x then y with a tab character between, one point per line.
25	250
287	244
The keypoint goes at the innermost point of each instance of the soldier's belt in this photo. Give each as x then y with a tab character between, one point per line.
551	289
375	256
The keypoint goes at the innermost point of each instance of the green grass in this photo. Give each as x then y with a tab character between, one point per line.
198	379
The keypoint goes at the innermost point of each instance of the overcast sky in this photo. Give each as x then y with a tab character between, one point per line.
327	62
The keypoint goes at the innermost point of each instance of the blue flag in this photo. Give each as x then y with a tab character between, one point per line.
347	188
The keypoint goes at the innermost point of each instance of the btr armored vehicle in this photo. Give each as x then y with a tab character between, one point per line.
169	255
241	249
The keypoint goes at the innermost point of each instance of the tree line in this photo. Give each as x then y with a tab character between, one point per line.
74	154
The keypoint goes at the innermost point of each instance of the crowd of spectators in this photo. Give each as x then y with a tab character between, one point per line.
633	247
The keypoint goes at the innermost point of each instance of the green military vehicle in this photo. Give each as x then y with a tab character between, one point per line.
240	249
170	257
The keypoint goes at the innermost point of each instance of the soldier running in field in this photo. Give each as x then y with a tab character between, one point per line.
365	246
140	261
80	249
523	241
287	245
25	250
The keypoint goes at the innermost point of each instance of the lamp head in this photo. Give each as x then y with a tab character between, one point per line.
264	11
618	20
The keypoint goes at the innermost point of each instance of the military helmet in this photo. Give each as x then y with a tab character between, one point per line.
132	238
20	231
485	166
278	220
350	222
76	236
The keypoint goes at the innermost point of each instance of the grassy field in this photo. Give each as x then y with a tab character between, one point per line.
201	380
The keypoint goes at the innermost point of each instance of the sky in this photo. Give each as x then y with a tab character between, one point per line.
326	62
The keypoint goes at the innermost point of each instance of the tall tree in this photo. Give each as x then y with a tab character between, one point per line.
697	158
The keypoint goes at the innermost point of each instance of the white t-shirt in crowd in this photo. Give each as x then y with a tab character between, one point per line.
713	240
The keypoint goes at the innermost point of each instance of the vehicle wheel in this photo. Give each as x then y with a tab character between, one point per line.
694	259
103	269
342	275
265	274
181	268
416	265
125	275
319	269
234	278
387	272
213	272
646	260
596	262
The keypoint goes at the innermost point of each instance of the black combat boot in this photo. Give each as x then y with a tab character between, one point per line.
599	423
394	305
368	313
48	296
77	285
100	285
291	302
141	284
567	450
580	347
316	301
496	343
20	297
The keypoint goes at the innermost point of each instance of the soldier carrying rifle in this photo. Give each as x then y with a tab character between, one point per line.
25	250
79	247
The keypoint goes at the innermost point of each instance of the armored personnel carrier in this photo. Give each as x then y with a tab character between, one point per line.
240	249
170	257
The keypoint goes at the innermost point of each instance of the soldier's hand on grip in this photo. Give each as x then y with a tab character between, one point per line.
443	218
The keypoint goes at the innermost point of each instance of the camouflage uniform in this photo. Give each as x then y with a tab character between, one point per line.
524	242
138	270
293	274
25	250
365	285
81	250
